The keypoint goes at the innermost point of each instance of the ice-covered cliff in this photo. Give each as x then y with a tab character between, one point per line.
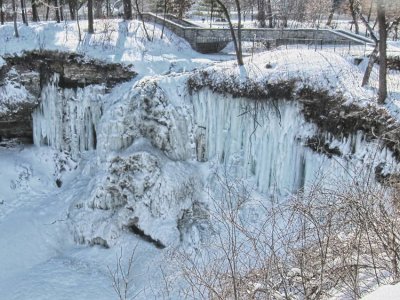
154	146
66	119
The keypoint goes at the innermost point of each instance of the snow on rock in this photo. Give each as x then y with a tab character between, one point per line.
13	93
141	191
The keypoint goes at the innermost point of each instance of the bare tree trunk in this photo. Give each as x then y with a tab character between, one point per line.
269	14
236	41
23	12
108	8
72	7
371	62
382	52
369	17
181	9
77	21
141	19
1	13
331	13
14	7
211	13
128	9
98	13
61	8
48	9
239	32
374	54
90	16
57	9
354	15
35	15
165	15
261	13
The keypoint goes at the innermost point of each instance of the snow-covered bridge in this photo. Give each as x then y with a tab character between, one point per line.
212	40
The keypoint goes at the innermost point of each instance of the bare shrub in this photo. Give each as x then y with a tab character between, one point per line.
122	276
338	239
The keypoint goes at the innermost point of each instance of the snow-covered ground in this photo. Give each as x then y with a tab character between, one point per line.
41	223
387	292
113	41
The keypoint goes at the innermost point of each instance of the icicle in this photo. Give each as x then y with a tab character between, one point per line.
67	119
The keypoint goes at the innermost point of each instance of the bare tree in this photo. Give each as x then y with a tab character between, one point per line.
353	6
140	15
269	14
180	7
381	16
236	37
127	9
90	16
385	26
122	276
23	13
261	17
335	6
57	10
72	4
14	7
1	13
334	237
35	14
77	20
98	9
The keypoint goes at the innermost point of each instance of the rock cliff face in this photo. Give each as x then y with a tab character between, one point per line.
23	77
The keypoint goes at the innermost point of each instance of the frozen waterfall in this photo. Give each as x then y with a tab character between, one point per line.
67	119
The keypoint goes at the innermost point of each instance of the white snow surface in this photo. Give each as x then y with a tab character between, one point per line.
144	153
386	292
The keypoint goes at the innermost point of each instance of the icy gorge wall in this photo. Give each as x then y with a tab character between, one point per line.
155	147
23	78
66	119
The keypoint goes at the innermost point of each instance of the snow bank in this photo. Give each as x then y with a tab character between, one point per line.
386	292
113	41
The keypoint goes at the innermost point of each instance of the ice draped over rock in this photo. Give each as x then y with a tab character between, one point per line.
157	145
67	119
262	141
